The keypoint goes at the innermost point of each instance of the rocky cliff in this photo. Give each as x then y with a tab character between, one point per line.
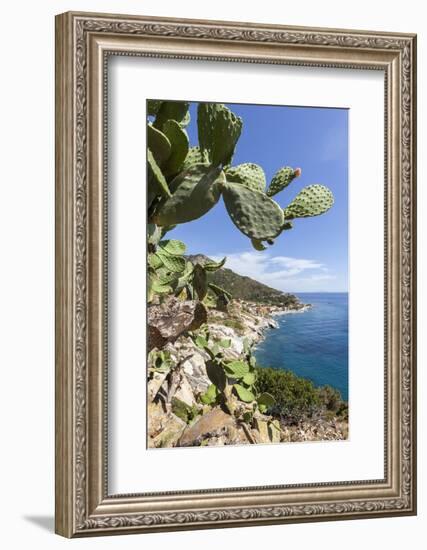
179	377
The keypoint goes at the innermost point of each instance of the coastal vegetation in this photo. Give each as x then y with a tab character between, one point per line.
204	386
297	399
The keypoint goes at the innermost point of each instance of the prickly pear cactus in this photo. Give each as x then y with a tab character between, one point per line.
171	110
195	156
153	105
219	130
248	174
253	213
158	144
185	183
195	192
172	247
257	244
178	139
175	264
157	184
281	179
310	201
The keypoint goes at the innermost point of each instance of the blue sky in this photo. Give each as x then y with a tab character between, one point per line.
313	256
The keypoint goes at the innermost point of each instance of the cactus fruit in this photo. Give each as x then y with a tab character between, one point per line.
310	201
195	192
281	179
248	174
219	129
253	213
178	139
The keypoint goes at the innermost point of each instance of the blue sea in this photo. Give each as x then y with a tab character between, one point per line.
312	344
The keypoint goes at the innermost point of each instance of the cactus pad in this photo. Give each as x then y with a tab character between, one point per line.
179	142
153	105
256	215
244	394
158	144
265	401
247	174
236	369
195	192
281	179
158	287
219	129
171	110
257	244
156	181
173	247
172	263
310	201
166	277
154	261
214	266
195	156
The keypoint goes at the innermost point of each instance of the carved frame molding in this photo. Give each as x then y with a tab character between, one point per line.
83	43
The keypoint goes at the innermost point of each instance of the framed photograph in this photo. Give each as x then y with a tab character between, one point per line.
235	274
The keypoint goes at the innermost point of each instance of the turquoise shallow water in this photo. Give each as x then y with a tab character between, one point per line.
313	344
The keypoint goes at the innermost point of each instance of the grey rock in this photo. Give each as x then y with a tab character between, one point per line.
167	321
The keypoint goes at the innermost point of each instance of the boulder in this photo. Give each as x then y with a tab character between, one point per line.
193	363
266	431
274	431
185	391
155	383
260	432
164	429
213	424
167	321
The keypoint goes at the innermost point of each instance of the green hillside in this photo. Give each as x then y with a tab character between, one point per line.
245	288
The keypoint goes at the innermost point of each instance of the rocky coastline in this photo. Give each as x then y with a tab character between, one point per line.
174	394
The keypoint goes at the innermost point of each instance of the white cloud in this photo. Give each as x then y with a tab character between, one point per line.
281	272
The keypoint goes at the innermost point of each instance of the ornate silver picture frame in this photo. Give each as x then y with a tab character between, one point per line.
84	43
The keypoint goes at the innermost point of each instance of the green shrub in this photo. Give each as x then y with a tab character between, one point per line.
234	323
329	397
297	398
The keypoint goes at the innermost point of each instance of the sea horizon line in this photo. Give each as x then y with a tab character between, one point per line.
316	292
